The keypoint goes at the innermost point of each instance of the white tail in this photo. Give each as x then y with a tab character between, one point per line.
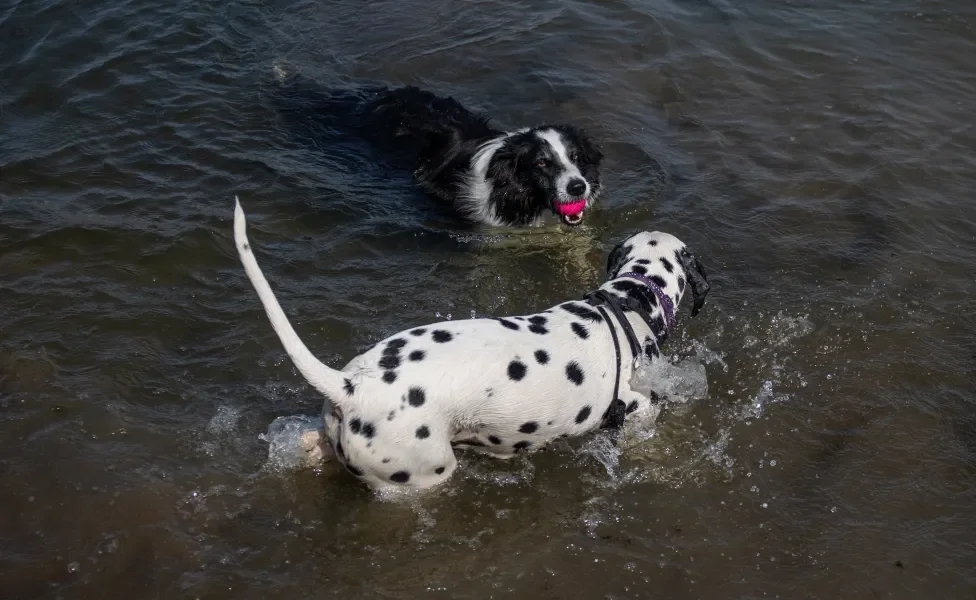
321	376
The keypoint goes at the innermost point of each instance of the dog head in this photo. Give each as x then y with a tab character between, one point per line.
348	438
553	168
663	259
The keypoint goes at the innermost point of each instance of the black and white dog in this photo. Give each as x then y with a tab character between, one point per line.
395	413
485	175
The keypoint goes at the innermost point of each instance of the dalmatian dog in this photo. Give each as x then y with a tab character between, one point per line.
395	414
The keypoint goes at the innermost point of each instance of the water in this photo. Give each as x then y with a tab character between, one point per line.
817	156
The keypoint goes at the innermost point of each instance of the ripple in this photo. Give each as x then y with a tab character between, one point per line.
818	157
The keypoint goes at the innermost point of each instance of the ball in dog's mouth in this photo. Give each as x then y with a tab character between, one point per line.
571	213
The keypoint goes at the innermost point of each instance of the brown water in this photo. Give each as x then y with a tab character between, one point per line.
818	156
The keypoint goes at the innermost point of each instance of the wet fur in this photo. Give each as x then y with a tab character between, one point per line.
482	174
394	415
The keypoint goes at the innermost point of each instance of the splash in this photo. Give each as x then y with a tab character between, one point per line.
603	449
679	383
295	442
757	406
225	420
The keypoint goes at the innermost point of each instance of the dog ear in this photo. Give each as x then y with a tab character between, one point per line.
512	158
589	149
617	258
697	279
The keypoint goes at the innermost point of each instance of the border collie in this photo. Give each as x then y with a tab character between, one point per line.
486	175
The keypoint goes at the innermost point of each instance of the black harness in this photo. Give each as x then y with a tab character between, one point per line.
603	300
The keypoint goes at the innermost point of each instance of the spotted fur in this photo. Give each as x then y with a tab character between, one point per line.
395	413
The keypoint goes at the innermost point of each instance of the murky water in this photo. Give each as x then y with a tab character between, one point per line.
817	156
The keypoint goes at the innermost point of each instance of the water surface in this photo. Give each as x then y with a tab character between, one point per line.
817	156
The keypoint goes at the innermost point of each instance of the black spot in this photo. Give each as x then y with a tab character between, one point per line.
440	336
521	445
354	470
468	442
416	396
418	332
246	247
494	439
583	414
509	324
489	392
386	460
581	311
632	406
529	427
642	261
615	414
574	373
417	355
658	281
400	477
667	265
638	292
423	433
519	318
541	356
537	320
368	430
349	387
657	326
650	349
439	470
389	361
640	270
534	328
625	285
391	354
391	415
516	370
355	425
681	284
389	376
580	330
652	243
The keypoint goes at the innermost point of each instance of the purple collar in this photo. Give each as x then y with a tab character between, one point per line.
667	306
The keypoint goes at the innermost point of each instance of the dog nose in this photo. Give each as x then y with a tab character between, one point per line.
576	187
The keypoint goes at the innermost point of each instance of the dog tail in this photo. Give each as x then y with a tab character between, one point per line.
326	380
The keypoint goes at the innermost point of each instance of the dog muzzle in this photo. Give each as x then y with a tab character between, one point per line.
571	213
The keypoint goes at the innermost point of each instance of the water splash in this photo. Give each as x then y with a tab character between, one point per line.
224	421
295	442
601	447
757	407
681	382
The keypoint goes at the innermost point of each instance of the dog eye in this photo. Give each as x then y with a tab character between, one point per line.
541	163
574	157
